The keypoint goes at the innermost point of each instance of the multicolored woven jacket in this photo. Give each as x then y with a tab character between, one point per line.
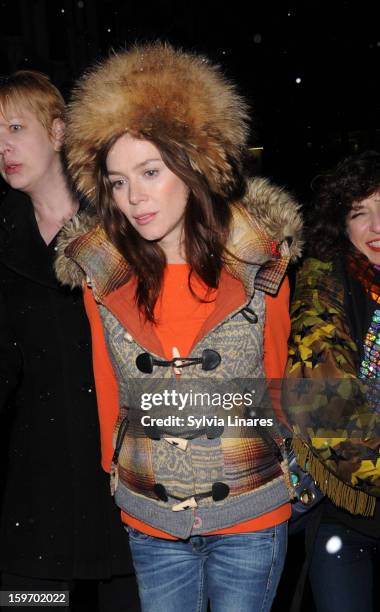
168	478
326	400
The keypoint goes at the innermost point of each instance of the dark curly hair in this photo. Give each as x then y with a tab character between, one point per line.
353	180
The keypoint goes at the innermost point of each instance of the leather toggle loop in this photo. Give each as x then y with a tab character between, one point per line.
219	491
249	315
210	360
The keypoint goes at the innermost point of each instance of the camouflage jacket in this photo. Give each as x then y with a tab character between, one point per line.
326	402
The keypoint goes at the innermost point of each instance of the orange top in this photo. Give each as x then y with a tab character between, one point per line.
178	327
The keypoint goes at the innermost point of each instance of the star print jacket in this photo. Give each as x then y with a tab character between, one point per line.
326	401
167	476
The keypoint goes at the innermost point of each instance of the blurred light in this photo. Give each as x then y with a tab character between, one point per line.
333	545
298	80
257	39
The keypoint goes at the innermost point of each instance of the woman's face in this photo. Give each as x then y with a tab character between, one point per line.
150	195
27	151
363	227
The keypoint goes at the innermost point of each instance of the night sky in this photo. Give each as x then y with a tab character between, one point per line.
309	69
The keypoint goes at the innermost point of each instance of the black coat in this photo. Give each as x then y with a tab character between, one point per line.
58	518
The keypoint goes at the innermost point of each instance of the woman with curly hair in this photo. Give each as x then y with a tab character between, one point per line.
176	267
336	335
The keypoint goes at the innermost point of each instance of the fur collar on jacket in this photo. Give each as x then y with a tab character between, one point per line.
266	234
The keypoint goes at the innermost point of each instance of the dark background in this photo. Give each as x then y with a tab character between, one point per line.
299	129
304	127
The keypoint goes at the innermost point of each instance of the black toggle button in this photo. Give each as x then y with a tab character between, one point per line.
160	491
152	432
220	491
214	431
146	361
210	360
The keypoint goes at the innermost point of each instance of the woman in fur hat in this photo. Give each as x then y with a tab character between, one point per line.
176	275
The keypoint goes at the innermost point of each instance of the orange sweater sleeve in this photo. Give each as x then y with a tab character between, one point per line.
105	380
276	335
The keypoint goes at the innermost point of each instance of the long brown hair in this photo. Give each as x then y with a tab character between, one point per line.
206	226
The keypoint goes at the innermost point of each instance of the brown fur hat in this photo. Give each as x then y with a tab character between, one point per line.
162	94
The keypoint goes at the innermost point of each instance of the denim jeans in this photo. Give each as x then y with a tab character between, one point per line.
343	579
237	573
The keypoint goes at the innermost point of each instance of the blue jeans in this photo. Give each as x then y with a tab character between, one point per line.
237	573
343	580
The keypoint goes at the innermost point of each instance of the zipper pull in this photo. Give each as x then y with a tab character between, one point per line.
119	440
114	478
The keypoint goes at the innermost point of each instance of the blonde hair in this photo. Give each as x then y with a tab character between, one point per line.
32	90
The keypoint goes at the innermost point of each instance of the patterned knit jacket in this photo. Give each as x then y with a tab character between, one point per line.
168	475
326	401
